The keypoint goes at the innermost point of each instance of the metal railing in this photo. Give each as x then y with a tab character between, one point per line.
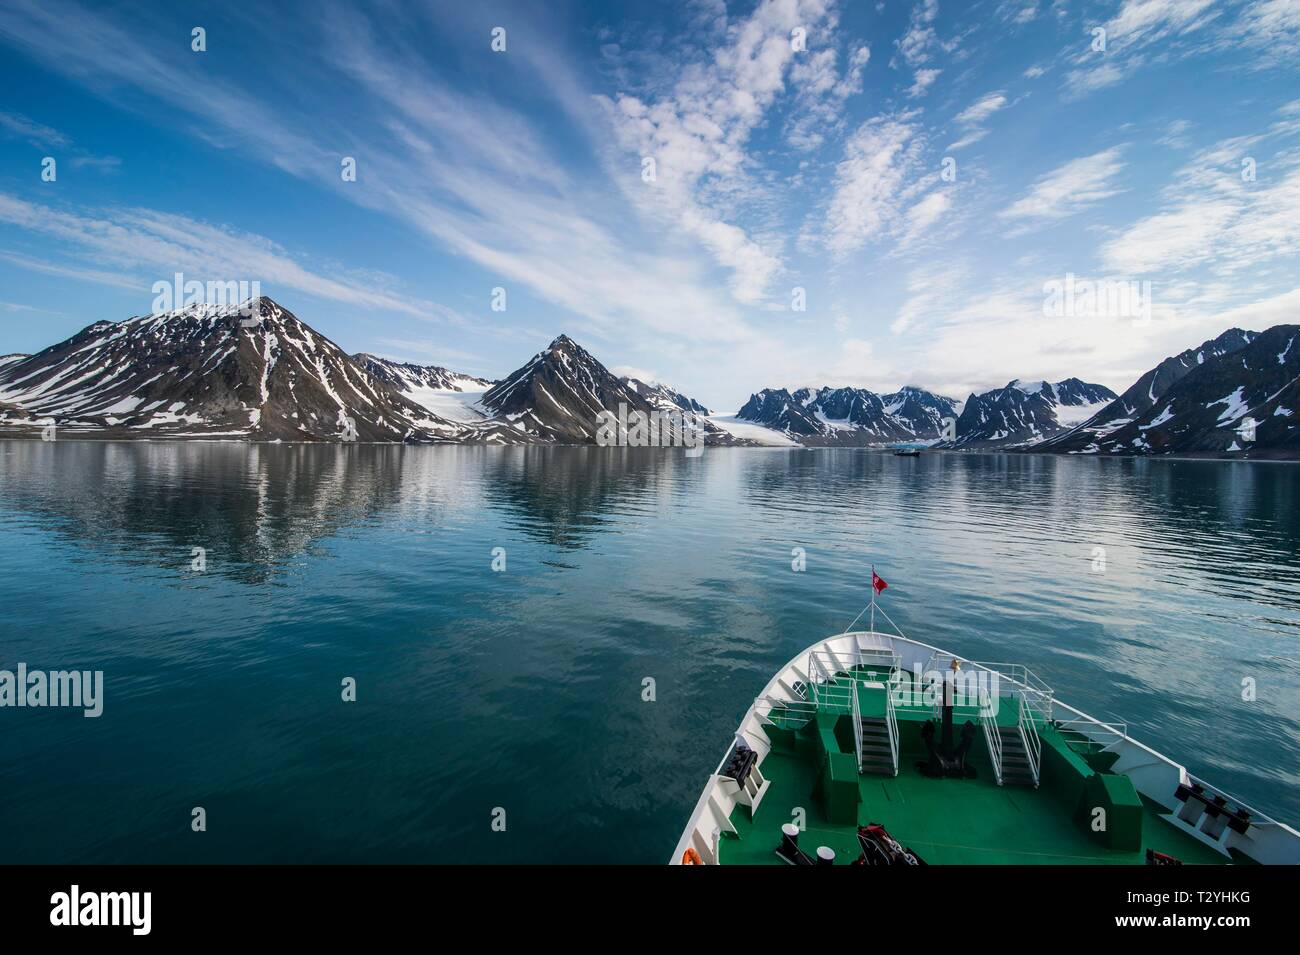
989	721
891	718
788	714
835	695
831	672
876	656
1019	679
1117	732
891	721
833	685
857	725
869	662
1033	743
1027	685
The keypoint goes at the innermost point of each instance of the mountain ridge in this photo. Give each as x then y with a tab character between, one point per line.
1242	397
1023	413
253	371
1150	387
408	376
259	373
849	417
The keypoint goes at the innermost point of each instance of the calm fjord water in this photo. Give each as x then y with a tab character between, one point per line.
523	689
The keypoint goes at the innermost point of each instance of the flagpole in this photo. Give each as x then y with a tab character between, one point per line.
873	598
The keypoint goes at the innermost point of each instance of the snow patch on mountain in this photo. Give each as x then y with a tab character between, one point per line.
1030	387
448	394
1070	415
749	431
1236	407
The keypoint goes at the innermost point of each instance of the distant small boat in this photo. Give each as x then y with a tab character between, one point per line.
907	452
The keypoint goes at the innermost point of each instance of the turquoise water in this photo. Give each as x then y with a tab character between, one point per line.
522	689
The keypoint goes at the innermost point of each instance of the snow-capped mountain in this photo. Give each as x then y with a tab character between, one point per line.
1074	393
1142	395
921	411
1238	394
259	373
665	398
407	377
778	409
849	416
446	393
255	372
559	395
1024	413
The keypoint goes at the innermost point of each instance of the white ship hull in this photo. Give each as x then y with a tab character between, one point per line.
1153	775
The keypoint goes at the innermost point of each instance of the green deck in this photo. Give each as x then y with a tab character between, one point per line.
948	821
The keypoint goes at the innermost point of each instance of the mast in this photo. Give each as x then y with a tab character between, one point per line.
873	598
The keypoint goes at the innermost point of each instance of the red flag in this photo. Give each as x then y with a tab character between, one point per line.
877	581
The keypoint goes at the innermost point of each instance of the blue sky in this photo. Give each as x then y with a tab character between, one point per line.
778	165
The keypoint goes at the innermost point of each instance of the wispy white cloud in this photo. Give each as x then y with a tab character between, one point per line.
481	180
96	276
100	163
954	311
89	47
1175	134
924	214
980	110
1234	209
1150	31
882	189
917	47
1270	29
420	351
1069	189
1081	82
1018	12
1181	236
821	93
19	126
922	80
1150	21
152	245
632	371
932	290
696	131
974	117
1220	250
